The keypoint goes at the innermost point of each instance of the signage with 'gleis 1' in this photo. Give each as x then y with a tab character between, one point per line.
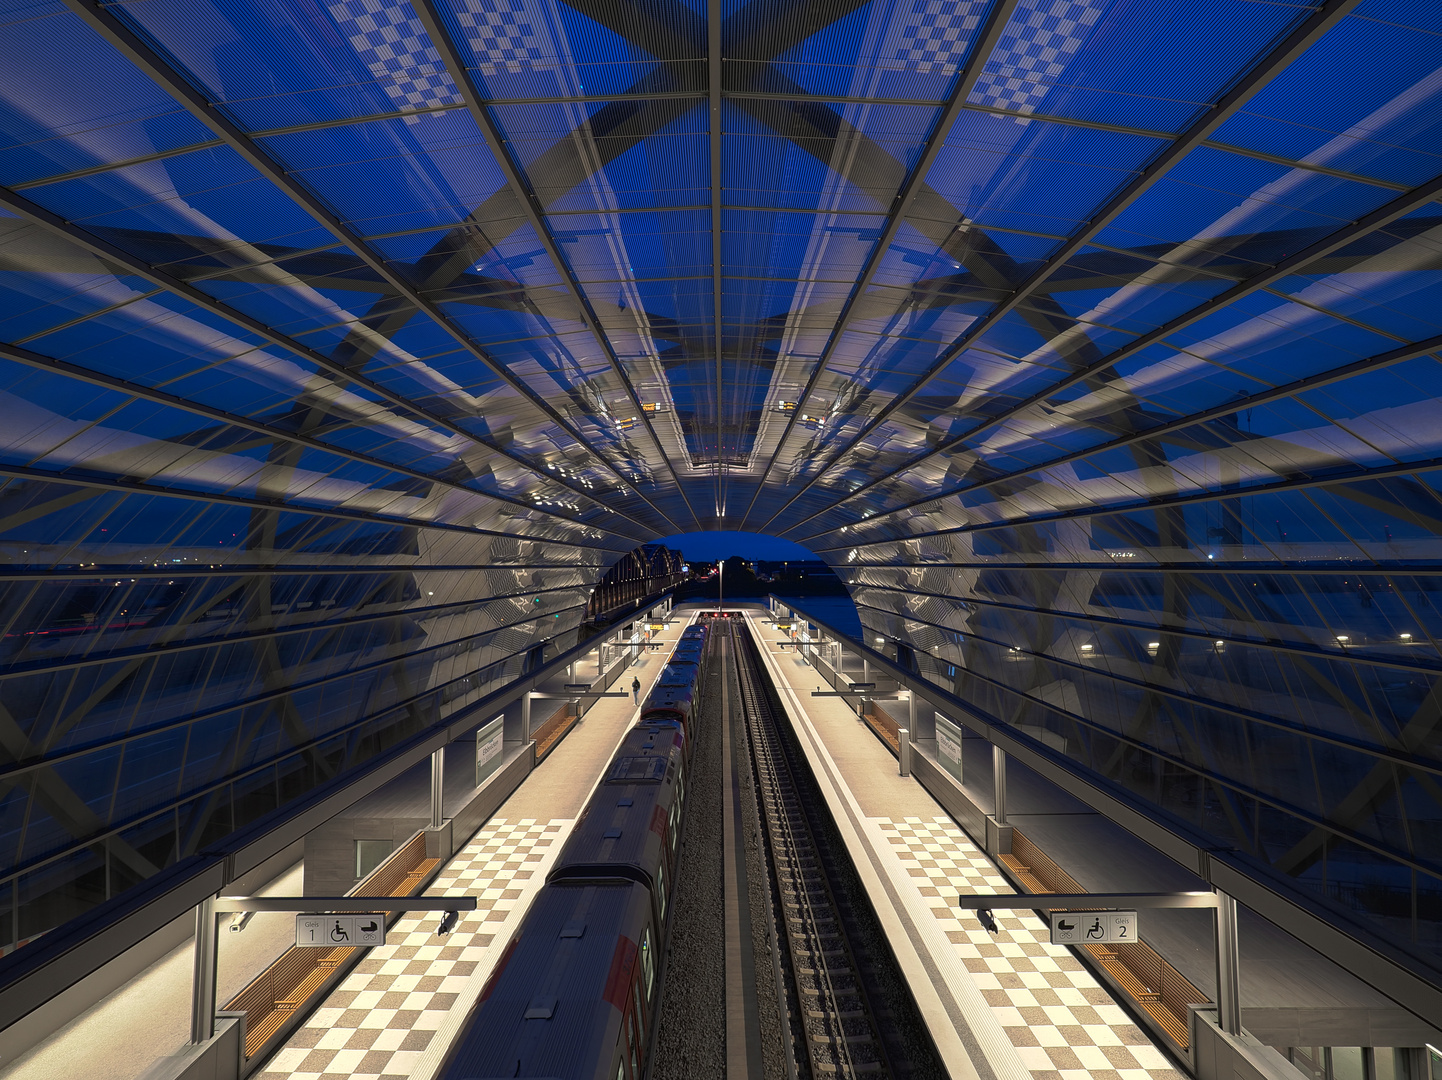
335	931
1093	927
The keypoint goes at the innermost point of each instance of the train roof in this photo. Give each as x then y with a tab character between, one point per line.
664	697
621	830
553	1009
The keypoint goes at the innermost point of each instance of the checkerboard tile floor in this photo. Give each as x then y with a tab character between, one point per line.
1063	1024
377	1023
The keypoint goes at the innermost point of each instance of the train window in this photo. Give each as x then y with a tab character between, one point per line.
635	1039
661	886
648	962
621	1069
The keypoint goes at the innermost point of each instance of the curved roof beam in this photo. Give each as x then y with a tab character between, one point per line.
130	45
988	34
275	434
534	214
1302	37
1368	223
98	246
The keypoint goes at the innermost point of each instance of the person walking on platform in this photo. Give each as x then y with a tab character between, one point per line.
636	691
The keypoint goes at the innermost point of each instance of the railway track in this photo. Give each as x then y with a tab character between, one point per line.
833	1025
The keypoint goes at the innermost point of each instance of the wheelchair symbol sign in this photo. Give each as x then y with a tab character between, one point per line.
1093	927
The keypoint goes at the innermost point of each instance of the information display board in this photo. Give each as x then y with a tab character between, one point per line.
490	741
948	745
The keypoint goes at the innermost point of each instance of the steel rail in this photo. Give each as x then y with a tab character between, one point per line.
841	1035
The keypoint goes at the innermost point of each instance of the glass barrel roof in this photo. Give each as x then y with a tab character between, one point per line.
1095	342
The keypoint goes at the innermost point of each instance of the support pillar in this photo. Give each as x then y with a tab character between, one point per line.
1229	982
903	753
525	717
998	784
998	832
202	986
438	788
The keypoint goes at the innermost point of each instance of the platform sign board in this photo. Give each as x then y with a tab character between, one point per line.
1093	927
490	741
335	931
656	627
948	745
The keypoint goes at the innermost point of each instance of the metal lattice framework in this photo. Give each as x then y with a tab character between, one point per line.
348	345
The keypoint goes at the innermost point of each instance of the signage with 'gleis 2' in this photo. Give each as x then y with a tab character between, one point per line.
1093	927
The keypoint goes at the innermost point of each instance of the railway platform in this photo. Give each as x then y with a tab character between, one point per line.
395	1013
1005	1007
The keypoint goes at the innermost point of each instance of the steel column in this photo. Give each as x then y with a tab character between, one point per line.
438	788
202	985
1229	982
998	784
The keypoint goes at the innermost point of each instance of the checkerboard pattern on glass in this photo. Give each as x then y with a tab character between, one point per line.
938	33
1039	40
392	43
1034	50
378	1022
1063	1024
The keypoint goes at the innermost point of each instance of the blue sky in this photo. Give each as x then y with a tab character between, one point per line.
706	546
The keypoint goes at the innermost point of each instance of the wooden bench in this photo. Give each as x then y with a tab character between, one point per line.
549	734
299	974
880	721
1158	989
